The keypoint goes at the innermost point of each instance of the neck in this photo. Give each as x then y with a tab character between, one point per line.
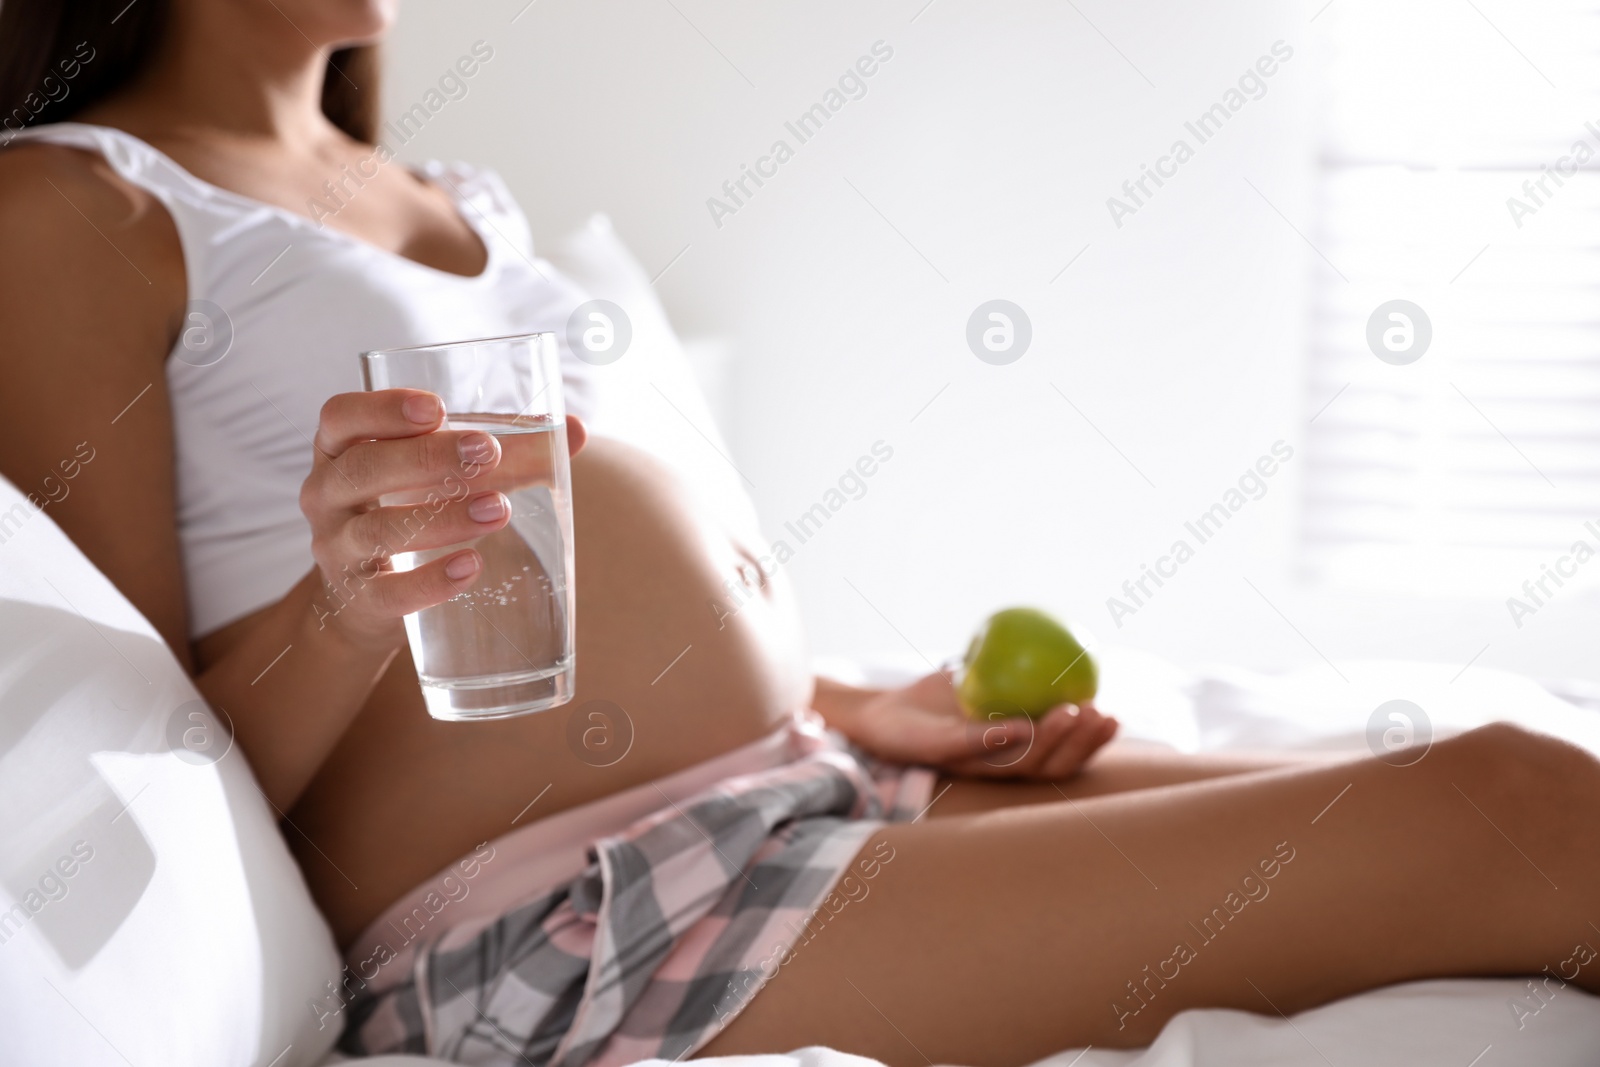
224	70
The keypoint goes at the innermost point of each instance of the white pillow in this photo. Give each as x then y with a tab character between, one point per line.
149	910
649	397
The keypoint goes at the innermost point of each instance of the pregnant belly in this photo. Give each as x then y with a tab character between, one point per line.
668	676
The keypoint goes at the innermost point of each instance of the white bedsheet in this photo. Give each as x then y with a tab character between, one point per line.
1422	1024
1457	1023
1224	708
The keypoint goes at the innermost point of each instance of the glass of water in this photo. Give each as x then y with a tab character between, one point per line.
504	646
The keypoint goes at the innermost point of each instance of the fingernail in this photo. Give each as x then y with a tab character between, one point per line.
490	507
463	566
476	448
423	410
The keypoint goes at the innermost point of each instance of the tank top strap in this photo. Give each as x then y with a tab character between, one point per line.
135	161
204	212
482	192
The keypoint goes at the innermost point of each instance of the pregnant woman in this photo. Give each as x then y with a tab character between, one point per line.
740	879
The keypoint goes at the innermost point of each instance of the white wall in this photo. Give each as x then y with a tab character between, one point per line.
991	141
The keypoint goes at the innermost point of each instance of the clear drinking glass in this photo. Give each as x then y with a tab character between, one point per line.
504	646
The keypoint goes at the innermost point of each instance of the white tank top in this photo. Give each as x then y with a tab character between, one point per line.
301	301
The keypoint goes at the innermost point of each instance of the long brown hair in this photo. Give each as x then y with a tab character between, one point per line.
59	56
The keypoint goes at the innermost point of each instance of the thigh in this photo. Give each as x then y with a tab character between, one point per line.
1119	767
1003	937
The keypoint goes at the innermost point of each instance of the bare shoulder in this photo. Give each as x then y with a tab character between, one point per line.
67	209
93	263
92	290
31	168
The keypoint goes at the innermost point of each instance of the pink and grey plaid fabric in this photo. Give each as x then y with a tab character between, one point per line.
674	925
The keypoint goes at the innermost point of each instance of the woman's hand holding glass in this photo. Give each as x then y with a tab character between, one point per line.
372	445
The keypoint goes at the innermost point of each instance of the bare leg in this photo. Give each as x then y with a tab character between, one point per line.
1118	768
999	938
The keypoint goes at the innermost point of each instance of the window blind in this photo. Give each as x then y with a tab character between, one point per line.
1459	170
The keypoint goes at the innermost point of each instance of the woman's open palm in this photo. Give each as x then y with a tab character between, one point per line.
923	723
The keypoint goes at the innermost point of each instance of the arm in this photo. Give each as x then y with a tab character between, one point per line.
840	704
92	290
91	293
307	665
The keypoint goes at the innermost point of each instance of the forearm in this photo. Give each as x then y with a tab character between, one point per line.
291	686
840	704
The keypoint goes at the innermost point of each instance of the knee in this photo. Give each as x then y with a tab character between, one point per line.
1514	765
1512	747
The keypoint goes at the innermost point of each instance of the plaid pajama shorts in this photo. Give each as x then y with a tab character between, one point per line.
675	924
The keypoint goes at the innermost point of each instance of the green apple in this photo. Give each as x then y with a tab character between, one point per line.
1023	662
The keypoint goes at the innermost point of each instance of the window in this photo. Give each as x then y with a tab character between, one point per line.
1459	170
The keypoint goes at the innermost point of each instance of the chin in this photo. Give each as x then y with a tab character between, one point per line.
341	23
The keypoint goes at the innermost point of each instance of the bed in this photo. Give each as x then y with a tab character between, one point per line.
184	934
